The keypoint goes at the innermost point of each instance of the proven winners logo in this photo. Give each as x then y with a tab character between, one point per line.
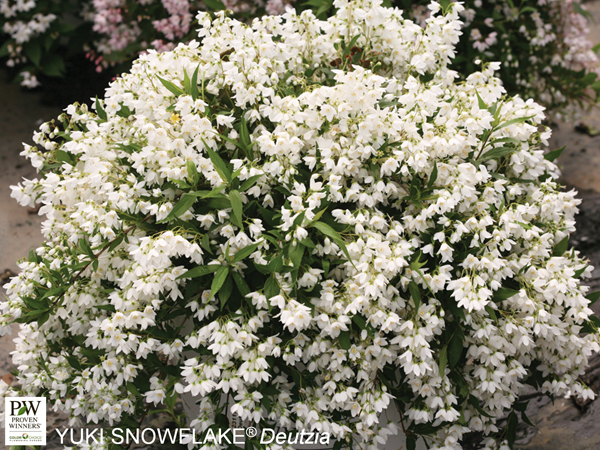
25	420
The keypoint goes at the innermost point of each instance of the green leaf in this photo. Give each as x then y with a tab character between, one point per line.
415	294
554	154
33	51
350	45
219	280
330	232
433	176
271	287
4	49
455	349
200	271
503	294
193	175
579	10
21	411
593	297
194	87
511	429
512	122
187	85
236	204
54	66
482	104
250	182
496	153
491	313
245	252
85	246
443	360
476	404
177	91
225	291
219	164
241	284
214	5
100	111
134	390
63	156
296	252
561	247
344	340
411	443
185	202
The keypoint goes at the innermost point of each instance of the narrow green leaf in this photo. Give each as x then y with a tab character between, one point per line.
474	401
214	5
271	287
241	284
247	184
171	87
350	45
455	349
443	360
193	175
100	111
200	271
433	176
33	51
496	153
330	232
187	85
511	429
85	246
554	154
134	390
593	297
296	252
512	122
561	247
219	164
218	280
185	202
225	292
482	104
194	87
344	340
503	294
245	252
415	294
236	204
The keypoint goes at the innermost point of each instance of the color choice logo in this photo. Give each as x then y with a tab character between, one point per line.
25	420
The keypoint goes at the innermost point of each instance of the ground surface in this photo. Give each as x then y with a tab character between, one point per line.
562	425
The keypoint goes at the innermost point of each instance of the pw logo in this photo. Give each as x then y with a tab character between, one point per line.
25	421
18	407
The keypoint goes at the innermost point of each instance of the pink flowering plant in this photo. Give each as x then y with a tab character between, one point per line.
310	225
541	44
37	36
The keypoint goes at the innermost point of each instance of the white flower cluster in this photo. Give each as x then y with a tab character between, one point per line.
302	222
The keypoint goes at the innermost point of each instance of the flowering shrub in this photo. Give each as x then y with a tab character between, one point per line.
542	45
303	222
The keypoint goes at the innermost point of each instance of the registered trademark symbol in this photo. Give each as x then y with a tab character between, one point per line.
251	432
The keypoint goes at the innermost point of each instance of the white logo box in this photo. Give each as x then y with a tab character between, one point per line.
25	421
